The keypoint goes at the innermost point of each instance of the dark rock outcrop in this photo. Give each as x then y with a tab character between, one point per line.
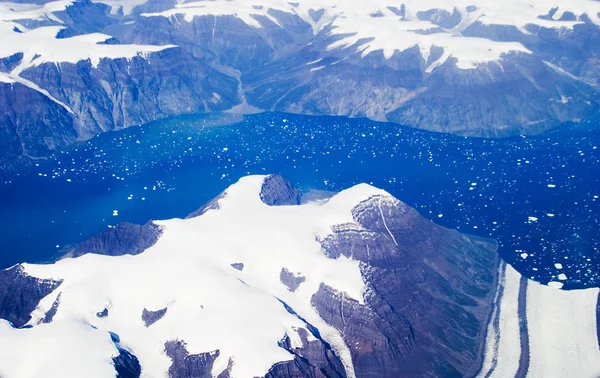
102	314
291	280
20	294
122	239
313	360
238	266
277	191
187	365
151	317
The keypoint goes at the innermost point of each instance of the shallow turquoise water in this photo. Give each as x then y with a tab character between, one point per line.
537	195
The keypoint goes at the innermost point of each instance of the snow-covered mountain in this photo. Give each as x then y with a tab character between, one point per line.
263	282
473	67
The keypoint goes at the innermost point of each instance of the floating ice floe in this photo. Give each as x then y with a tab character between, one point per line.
555	284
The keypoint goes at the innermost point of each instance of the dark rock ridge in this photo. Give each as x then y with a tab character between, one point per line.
221	62
187	365
151	317
20	294
277	191
122	239
49	316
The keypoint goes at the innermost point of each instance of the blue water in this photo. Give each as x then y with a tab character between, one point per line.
170	168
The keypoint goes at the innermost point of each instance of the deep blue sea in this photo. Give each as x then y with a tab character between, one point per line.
539	196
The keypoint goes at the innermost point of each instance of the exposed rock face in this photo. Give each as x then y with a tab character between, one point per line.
291	280
123	239
151	317
50	314
21	293
31	125
277	191
313	360
120	93
187	365
429	293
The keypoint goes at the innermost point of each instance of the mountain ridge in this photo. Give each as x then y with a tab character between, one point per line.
470	69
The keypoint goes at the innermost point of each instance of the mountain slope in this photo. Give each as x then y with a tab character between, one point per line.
466	67
260	283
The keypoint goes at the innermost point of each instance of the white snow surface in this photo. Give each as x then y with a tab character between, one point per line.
210	305
60	349
376	25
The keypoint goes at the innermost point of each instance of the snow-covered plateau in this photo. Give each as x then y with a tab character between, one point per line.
262	281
